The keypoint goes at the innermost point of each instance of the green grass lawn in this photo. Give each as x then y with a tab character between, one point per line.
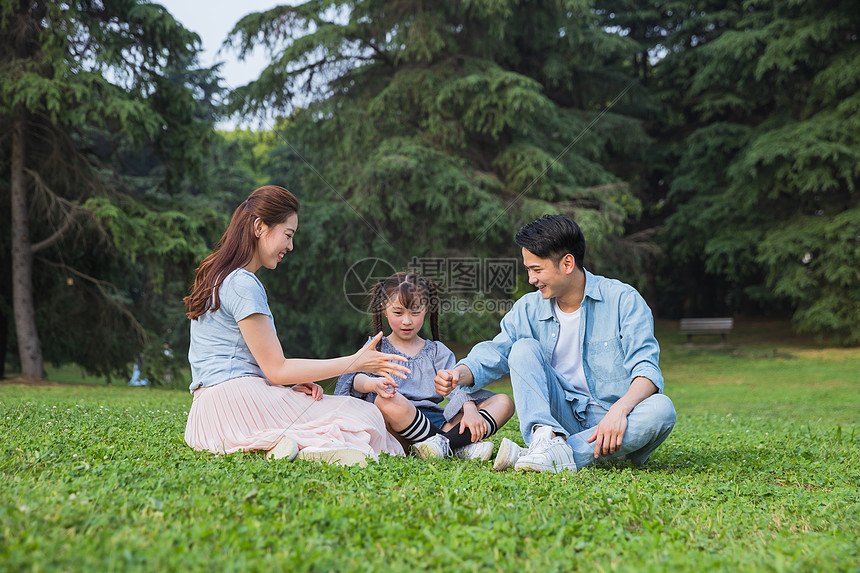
761	473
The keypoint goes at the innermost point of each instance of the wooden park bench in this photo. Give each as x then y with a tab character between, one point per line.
694	326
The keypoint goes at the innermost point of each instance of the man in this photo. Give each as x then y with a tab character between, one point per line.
582	358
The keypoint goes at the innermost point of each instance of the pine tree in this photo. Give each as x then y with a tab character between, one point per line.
102	123
767	188
437	129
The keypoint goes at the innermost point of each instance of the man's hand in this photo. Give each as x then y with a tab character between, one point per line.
609	432
446	380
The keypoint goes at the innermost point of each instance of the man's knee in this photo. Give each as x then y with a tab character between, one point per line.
661	410
525	350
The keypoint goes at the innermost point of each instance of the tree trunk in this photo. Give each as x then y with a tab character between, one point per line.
29	346
4	341
5	295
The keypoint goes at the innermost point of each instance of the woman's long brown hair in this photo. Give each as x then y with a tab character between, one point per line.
272	205
411	290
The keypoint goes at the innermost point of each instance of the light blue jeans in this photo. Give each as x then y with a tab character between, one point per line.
541	401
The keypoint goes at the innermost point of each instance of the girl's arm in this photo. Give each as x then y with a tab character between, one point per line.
366	384
259	335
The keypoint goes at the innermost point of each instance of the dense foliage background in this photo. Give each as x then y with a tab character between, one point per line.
709	150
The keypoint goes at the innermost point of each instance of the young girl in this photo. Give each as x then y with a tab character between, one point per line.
411	406
247	396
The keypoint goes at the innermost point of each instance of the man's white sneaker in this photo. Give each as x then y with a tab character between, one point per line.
509	453
433	447
476	451
553	456
286	448
540	439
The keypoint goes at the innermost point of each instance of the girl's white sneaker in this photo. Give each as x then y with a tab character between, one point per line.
476	451
436	446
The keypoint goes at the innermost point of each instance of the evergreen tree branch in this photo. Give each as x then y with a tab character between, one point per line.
71	211
382	55
588	128
58	234
108	292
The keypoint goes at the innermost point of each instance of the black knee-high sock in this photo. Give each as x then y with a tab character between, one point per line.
458	440
419	429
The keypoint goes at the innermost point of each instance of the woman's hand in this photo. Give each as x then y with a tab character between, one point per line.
474	421
312	389
370	360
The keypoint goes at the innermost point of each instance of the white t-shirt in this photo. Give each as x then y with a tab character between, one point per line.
567	355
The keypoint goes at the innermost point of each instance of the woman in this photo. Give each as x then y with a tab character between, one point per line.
247	395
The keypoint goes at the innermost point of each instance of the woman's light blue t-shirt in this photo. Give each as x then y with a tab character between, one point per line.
218	352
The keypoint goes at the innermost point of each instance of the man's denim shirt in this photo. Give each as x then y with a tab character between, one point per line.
617	333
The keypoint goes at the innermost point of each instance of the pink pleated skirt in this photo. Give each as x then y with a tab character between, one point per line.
248	413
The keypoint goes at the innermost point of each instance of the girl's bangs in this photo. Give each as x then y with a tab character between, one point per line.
410	295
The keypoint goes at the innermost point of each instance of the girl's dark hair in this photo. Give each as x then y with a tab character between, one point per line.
412	291
272	205
552	237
